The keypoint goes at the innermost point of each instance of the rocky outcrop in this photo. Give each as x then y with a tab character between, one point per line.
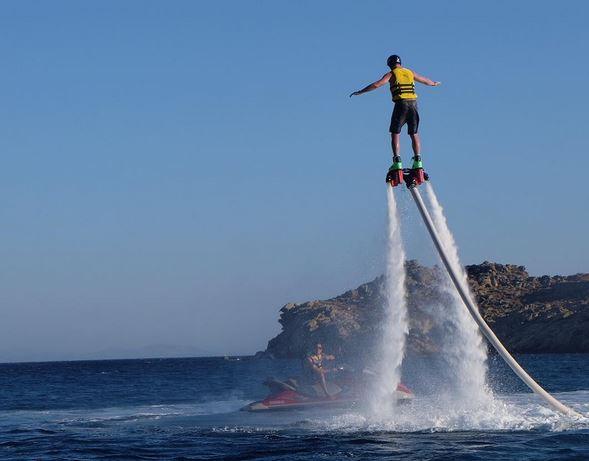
533	314
528	314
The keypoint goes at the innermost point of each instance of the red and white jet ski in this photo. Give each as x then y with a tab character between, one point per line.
346	390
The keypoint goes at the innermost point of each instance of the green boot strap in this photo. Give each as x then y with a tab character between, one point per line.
397	164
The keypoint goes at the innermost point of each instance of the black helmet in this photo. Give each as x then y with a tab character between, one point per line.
393	60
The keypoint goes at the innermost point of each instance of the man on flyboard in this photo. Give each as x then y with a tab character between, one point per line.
402	84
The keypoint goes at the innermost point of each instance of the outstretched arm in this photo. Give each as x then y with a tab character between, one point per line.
425	80
373	86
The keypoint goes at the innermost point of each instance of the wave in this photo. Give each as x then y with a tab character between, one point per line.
119	414
515	412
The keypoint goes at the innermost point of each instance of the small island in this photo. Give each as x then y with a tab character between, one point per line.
547	314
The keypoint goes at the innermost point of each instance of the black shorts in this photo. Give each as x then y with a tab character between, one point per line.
405	112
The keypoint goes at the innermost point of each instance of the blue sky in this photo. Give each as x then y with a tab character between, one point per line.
174	172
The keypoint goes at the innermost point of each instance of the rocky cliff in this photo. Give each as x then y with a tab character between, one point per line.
528	314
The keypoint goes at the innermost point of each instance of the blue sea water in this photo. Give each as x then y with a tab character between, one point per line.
188	409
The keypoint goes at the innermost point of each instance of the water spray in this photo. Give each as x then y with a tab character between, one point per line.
464	347
462	289
396	326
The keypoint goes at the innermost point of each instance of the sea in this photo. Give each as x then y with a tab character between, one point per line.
189	409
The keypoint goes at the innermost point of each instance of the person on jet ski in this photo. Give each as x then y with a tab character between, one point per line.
314	368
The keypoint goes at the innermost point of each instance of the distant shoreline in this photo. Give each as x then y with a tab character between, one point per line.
246	357
218	357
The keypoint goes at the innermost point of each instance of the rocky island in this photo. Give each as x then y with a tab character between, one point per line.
547	314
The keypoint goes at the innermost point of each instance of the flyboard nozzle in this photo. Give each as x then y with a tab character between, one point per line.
395	177
412	177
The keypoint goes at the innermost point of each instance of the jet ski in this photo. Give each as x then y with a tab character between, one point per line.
346	390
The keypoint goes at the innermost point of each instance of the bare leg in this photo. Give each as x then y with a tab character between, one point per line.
323	382
396	144
415	144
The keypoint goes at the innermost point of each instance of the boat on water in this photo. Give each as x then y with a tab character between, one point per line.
346	390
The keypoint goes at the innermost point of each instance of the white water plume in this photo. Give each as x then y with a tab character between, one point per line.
395	326
463	346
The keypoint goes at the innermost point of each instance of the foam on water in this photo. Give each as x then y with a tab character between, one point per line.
517	412
124	414
395	326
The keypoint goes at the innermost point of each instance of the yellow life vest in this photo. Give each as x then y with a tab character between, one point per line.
404	84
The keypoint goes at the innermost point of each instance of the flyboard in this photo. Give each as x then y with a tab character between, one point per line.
413	178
